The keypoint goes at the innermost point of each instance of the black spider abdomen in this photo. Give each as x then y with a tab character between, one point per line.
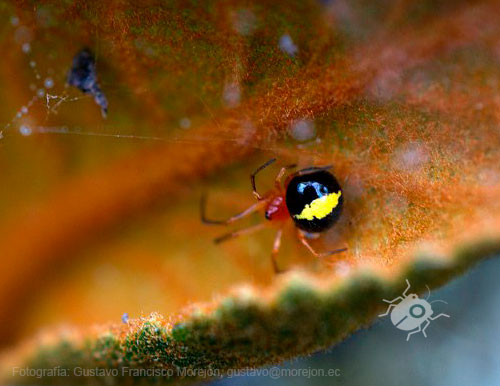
314	200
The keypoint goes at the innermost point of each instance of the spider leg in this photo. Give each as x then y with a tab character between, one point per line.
281	173
239	232
313	169
304	241
276	248
230	220
252	178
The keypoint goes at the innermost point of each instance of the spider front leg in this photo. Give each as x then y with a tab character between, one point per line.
276	248
239	232
279	177
304	241
252	178
313	169
253	208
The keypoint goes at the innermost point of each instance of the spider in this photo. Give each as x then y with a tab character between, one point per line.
311	197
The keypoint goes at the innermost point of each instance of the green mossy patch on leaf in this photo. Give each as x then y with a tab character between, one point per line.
242	330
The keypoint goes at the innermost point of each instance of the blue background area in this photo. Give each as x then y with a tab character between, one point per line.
462	350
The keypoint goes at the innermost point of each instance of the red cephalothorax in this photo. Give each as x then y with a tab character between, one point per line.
276	209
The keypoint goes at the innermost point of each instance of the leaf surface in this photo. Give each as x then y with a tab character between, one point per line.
101	217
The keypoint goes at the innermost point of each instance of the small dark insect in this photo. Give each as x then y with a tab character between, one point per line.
311	197
83	75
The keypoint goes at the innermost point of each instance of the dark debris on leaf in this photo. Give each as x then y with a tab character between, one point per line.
83	75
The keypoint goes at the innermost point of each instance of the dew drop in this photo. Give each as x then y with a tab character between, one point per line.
287	45
342	268
185	123
32	64
302	130
125	318
48	83
44	17
247	132
488	177
40	93
26	47
25	130
23	35
354	187
14	20
244	22
232	94
411	157
386	85
24	110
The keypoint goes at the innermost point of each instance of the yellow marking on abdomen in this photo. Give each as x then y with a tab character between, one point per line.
320	207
